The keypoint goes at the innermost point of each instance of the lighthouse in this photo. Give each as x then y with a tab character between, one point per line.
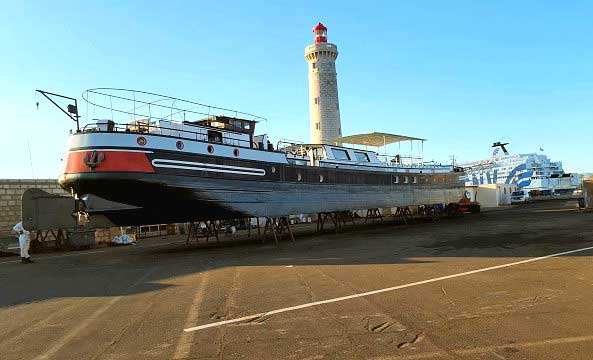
324	107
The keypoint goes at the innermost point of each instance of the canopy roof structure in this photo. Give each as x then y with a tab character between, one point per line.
375	139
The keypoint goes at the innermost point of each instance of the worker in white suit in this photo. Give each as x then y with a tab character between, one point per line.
24	242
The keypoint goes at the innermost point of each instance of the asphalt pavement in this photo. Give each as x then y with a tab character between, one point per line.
510	284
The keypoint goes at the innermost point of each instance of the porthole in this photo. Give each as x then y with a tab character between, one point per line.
273	169
236	152
141	141
299	177
180	145
210	149
320	178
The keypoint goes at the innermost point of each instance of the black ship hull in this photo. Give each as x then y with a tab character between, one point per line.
179	187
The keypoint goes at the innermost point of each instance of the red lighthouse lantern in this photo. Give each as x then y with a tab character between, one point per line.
320	33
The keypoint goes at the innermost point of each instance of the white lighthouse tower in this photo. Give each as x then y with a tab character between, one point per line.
324	108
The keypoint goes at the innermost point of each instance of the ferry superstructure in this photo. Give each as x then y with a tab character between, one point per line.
530	172
218	168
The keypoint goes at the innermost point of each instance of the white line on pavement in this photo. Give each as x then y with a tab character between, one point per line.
183	349
379	291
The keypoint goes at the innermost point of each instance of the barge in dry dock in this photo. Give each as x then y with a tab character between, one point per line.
216	167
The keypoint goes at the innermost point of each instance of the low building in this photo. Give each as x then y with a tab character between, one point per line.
588	193
491	195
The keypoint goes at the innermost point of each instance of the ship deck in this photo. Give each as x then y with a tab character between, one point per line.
457	289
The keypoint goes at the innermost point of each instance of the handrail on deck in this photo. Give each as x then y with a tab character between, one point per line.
151	101
158	130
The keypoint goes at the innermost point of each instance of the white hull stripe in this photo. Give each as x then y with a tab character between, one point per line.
196	166
106	150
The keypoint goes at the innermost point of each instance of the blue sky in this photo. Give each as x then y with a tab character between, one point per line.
462	74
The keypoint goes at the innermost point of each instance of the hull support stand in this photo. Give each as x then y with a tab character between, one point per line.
403	214
338	219
325	216
431	212
278	227
345	217
202	229
59	235
373	214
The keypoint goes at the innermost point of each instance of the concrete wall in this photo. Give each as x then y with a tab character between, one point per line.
11	191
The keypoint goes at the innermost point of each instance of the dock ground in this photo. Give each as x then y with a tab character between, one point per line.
477	287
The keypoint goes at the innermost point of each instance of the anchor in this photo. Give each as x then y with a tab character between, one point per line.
93	159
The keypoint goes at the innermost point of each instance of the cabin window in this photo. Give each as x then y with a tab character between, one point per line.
362	157
406	180
340	154
234	123
414	179
396	180
214	136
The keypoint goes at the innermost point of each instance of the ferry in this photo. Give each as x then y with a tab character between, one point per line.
534	174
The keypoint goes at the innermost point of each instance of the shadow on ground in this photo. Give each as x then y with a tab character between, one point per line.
521	232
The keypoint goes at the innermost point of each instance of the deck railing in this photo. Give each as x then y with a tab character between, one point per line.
142	104
199	134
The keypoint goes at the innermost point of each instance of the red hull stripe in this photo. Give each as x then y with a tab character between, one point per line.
120	161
